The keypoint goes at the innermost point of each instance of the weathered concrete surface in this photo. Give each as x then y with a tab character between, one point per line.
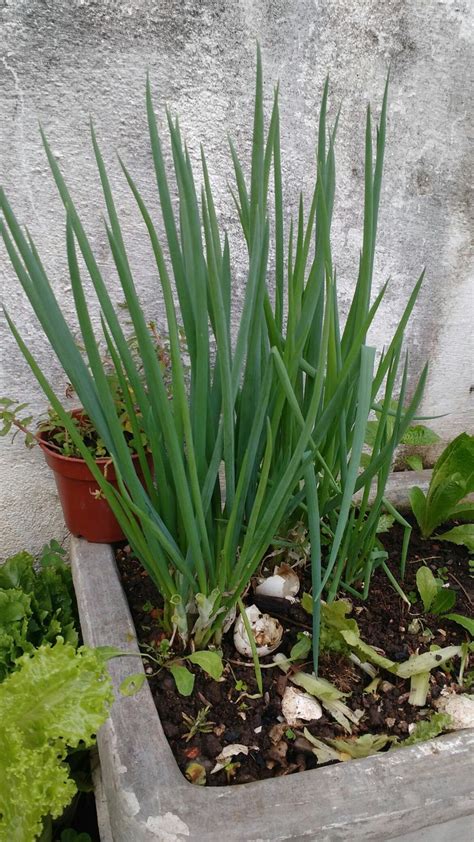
101	806
399	485
61	60
393	796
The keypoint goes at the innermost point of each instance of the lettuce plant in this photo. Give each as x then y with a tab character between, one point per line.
35	605
56	700
451	481
281	407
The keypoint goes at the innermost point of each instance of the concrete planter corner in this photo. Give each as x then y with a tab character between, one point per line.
424	793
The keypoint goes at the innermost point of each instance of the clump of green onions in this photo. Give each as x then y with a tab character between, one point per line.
281	405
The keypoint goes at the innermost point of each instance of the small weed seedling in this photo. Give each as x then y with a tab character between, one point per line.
200	724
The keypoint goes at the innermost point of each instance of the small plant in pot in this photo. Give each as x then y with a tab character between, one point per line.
86	511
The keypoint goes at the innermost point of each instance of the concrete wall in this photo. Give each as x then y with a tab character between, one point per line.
62	60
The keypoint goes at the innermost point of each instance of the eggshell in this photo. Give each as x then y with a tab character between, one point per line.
266	630
297	706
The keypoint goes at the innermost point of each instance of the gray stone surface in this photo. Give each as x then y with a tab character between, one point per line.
61	60
398	487
396	796
101	806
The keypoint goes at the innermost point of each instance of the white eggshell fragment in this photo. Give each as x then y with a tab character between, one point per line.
266	630
459	707
297	706
284	583
228	752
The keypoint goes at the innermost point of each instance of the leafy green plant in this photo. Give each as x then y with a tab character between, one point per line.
165	657
436	598
418	436
36	605
283	409
51	427
56	700
340	633
55	433
452	480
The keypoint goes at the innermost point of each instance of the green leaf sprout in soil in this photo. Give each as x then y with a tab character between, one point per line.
162	654
435	597
199	724
276	409
439	600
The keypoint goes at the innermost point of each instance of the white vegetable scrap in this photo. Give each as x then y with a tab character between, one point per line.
459	707
284	583
228	752
266	630
297	706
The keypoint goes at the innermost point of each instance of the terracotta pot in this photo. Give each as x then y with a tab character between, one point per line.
86	513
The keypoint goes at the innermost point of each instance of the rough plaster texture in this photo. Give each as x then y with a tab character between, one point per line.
62	60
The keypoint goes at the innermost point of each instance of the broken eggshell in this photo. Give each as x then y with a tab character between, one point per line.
297	707
459	707
284	583
266	630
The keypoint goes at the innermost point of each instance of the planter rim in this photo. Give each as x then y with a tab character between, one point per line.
390	796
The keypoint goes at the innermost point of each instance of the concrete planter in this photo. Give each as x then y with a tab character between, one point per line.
420	794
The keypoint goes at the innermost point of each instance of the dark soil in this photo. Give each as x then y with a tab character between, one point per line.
384	620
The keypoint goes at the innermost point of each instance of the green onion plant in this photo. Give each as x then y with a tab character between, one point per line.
268	425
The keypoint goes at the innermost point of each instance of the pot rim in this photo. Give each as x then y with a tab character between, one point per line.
100	460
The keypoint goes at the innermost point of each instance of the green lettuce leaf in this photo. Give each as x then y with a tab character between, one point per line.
210	662
352	748
414	462
466	622
426	729
347	748
15	614
460	535
35	607
334	619
427	586
55	700
318	687
451	481
18	572
184	679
